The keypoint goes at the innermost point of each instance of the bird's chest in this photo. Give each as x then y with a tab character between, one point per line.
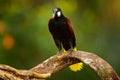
59	26
61	29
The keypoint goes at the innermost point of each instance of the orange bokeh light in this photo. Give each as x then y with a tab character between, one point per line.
8	42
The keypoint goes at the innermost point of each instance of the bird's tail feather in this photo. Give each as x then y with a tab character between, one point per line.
76	67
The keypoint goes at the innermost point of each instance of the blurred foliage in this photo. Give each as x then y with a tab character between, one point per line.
26	41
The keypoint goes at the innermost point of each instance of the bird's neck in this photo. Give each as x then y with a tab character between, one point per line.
62	16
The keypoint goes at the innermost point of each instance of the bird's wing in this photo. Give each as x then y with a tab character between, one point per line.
71	32
70	27
57	41
50	26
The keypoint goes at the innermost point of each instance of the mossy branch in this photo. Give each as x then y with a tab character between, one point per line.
57	62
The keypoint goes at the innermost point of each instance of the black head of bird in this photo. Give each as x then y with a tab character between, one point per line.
57	13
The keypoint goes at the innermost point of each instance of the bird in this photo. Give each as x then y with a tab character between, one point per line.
62	32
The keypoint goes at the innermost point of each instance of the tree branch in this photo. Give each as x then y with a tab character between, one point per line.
57	62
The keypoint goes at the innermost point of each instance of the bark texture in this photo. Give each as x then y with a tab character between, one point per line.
57	62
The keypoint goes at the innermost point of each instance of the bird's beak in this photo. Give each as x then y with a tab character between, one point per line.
53	15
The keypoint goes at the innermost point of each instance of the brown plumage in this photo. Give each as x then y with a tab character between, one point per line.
61	30
63	35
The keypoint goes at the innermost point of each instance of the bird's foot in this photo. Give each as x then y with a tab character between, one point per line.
58	52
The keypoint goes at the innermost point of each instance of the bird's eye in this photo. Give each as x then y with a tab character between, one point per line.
58	13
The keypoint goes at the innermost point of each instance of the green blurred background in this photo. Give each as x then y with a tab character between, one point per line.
25	40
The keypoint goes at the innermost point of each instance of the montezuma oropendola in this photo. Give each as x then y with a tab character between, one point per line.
63	34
